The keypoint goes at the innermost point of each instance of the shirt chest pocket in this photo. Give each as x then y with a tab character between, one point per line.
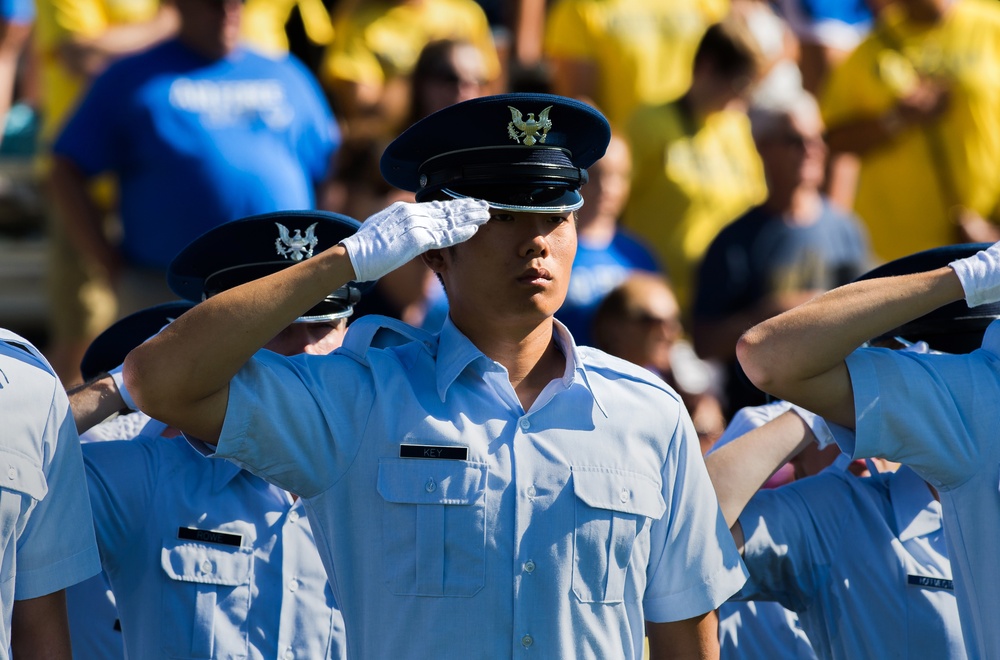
433	526
22	487
206	599
612	509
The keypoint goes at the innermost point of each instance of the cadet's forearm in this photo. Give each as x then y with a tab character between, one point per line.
181	375
691	639
79	215
40	628
799	355
94	402
740	468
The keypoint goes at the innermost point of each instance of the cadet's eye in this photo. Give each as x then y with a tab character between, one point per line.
502	217
557	219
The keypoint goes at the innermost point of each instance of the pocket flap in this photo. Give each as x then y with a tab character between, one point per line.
196	562
619	490
430	481
21	474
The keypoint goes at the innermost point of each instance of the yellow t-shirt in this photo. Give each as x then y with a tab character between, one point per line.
263	24
643	49
382	40
906	188
688	182
59	20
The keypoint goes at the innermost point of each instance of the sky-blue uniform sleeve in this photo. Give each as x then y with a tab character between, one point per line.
122	477
57	547
694	564
297	422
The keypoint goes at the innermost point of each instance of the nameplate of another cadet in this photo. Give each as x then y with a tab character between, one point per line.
208	536
930	582
429	451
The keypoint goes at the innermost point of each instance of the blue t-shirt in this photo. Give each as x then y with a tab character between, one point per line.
596	271
760	254
17	11
196	143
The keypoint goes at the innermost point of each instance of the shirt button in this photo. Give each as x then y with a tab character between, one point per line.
206	566
529	566
530	492
288	654
430	486
293	516
293	585
525	424
11	472
527	641
624	495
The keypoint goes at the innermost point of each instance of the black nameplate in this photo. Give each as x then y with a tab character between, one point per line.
208	536
427	451
931	582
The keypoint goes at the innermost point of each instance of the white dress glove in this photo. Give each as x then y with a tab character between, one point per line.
980	276
116	375
392	237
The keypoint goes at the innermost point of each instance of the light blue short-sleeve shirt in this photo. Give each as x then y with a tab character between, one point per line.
46	533
206	560
829	546
456	524
937	414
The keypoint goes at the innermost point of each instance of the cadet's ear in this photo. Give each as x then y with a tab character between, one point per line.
434	259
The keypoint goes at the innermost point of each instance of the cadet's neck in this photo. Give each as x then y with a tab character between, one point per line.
532	358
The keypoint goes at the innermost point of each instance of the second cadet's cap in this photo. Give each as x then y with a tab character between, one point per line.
110	347
240	251
953	328
519	152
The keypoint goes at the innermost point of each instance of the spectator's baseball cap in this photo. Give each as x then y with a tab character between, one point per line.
519	152
953	328
244	250
110	347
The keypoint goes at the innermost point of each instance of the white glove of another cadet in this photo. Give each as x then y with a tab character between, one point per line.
980	276
392	237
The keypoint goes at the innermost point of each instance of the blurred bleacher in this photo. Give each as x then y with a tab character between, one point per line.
23	305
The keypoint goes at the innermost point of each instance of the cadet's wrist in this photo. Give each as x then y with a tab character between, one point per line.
117	378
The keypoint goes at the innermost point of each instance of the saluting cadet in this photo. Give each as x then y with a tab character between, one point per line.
932	412
46	533
490	490
207	560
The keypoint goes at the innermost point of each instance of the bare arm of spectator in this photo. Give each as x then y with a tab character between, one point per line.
80	215
13	37
924	104
88	56
39	628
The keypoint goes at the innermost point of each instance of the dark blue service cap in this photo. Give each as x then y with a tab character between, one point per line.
110	347
519	152
240	251
953	328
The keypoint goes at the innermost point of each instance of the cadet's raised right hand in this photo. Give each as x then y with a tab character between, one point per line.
392	237
980	276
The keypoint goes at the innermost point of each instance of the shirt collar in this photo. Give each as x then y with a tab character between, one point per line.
222	471
991	338
917	512
455	352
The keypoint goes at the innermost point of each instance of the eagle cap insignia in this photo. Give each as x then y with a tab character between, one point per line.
295	246
530	130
